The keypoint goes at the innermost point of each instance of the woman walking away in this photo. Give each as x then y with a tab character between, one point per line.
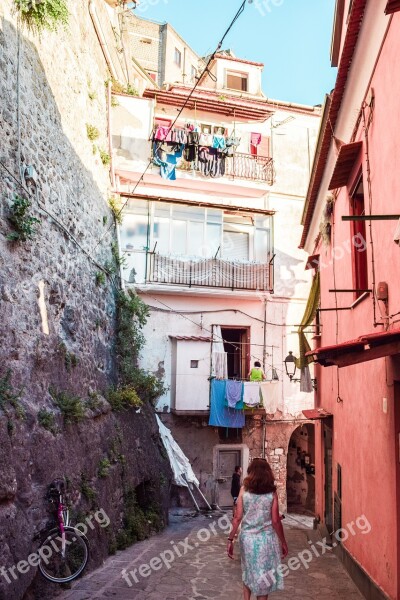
262	539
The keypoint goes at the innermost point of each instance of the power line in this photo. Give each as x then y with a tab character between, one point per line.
205	70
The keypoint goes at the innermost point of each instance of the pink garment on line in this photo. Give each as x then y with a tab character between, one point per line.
255	139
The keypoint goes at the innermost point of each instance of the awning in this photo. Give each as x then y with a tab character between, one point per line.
190	338
316	413
348	154
392	6
312	262
365	348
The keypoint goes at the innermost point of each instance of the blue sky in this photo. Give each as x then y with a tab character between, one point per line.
291	37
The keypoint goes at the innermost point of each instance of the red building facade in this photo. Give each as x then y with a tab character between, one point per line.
351	231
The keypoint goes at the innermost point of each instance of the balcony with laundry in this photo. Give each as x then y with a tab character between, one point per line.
225	152
185	246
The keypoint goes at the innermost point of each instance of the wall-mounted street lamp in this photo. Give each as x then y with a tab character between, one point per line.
290	366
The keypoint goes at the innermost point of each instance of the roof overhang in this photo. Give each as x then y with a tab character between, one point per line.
330	119
392	7
363	349
210	102
316	413
190	338
346	159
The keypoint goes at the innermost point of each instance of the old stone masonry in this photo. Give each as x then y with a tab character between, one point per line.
188	562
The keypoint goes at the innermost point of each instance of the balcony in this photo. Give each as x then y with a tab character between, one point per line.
209	272
241	166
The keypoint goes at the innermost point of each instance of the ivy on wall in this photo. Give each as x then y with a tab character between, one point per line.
39	15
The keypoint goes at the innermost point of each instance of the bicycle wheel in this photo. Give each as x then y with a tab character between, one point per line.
53	566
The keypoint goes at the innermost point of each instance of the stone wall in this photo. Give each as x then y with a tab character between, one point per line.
56	325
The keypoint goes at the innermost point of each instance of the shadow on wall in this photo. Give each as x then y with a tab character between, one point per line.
76	356
286	279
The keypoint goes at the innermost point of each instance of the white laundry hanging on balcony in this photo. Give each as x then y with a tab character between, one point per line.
180	465
270	391
219	356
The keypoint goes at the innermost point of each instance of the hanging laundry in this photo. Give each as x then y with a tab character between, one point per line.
251	395
220	415
162	133
219	142
270	392
255	139
206	139
234	394
305	380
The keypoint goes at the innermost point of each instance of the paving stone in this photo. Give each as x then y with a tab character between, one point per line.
205	572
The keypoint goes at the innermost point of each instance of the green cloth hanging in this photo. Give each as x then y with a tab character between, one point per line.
308	318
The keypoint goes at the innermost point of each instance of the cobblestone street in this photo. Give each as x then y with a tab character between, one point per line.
155	572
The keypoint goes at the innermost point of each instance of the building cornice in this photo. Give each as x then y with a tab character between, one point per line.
327	132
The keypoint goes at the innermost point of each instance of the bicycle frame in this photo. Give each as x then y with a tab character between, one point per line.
63	521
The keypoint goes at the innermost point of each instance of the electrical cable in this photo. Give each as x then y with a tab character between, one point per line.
43	209
205	70
201	326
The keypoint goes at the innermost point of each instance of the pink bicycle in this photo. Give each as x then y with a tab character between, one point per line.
64	553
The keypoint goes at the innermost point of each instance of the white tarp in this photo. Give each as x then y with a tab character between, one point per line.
180	464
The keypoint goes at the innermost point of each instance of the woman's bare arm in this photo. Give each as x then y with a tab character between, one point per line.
277	525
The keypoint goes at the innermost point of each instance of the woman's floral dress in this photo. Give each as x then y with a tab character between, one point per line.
260	547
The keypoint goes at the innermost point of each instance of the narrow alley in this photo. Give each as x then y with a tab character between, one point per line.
153	570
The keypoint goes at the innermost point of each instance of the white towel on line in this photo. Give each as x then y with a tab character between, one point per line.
251	395
270	391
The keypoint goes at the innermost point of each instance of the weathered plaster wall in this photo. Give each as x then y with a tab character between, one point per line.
57	326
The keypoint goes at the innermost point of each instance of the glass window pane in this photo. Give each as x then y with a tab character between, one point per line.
161	234
190	213
134	232
178	242
214	215
162	210
213	240
195	239
261	243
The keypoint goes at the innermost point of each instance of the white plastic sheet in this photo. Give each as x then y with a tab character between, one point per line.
181	467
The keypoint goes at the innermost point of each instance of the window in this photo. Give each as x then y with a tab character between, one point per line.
194	364
237	81
192	231
178	57
359	251
237	347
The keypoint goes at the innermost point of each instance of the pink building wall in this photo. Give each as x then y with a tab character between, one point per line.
364	434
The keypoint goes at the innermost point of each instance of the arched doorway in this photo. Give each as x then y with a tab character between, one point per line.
300	482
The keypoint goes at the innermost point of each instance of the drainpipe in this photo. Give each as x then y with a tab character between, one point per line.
100	36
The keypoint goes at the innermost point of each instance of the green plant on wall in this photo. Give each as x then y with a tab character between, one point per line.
113	203
47	420
104	157
24	225
71	407
92	132
9	397
132	314
38	15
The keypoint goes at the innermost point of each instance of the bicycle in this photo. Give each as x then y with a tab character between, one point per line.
64	553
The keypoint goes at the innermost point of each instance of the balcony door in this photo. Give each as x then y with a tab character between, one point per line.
237	347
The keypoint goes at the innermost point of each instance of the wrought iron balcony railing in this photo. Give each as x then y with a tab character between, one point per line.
210	272
241	166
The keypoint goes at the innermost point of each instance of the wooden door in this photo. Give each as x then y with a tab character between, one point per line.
227	461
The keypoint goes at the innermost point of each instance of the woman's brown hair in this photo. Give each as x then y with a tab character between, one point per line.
260	479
